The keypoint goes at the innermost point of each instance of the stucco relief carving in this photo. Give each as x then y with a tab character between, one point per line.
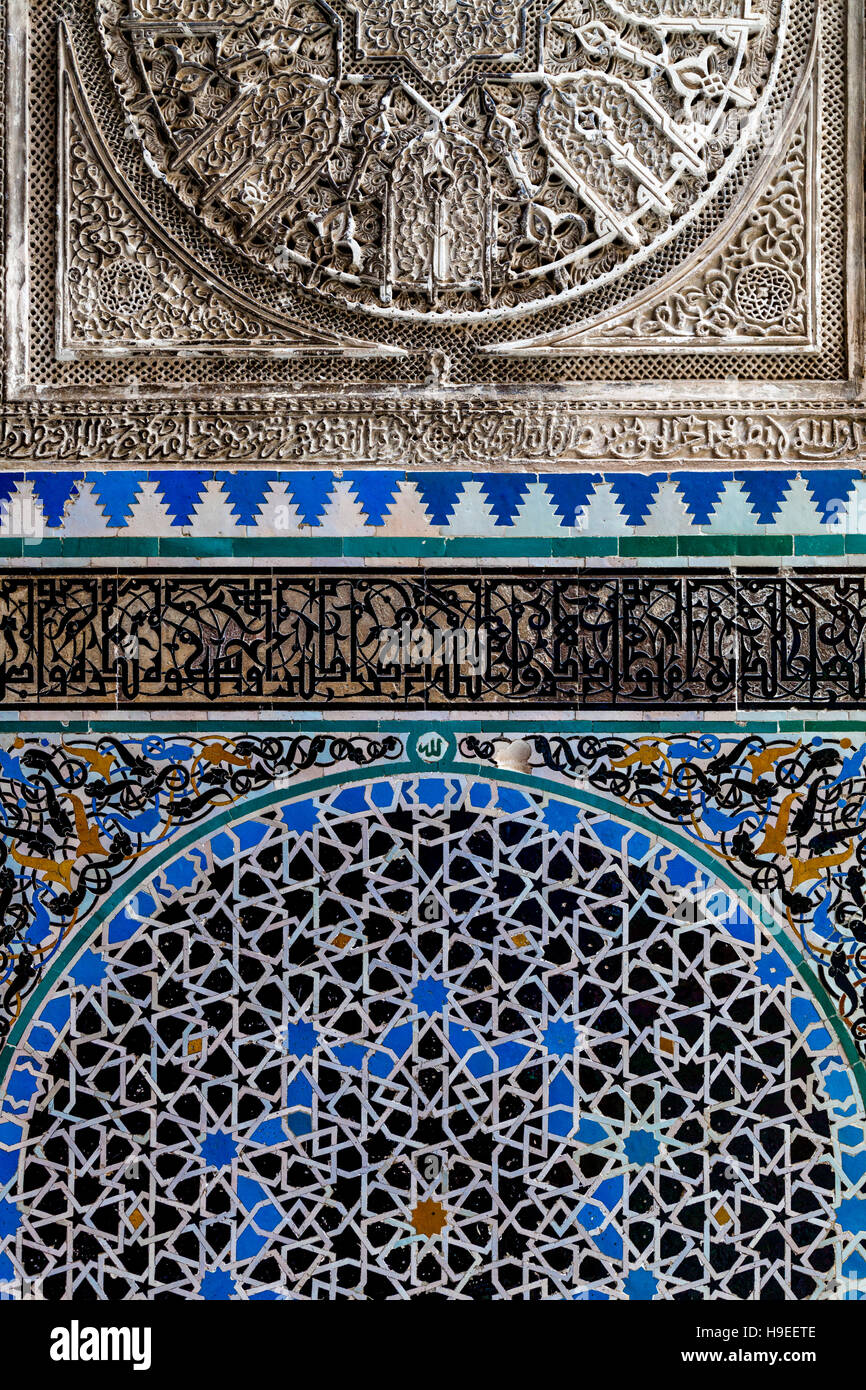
438	37
760	287
440	159
364	213
120	286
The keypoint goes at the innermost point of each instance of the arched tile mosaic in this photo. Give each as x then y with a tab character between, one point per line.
431	1034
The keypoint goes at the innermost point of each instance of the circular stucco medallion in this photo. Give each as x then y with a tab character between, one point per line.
436	159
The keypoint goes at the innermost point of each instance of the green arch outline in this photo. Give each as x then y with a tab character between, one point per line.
413	767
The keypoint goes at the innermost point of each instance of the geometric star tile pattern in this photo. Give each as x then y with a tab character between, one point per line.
429	1036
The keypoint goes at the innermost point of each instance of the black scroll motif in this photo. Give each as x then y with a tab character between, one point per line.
66	806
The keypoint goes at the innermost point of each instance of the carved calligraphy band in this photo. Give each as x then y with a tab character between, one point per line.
545	639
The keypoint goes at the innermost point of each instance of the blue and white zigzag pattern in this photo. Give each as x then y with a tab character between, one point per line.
201	502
